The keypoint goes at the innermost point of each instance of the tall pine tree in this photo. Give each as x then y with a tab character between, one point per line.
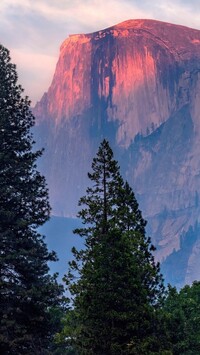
116	285
27	291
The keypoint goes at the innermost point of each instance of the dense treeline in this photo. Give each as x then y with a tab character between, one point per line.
29	296
116	285
179	317
181	313
118	304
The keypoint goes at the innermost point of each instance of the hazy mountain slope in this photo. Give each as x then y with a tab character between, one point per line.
137	84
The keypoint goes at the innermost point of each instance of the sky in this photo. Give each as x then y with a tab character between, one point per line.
33	30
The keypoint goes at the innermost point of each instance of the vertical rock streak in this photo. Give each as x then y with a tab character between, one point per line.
136	84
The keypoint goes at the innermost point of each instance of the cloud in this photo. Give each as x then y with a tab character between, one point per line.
35	72
76	15
91	15
182	12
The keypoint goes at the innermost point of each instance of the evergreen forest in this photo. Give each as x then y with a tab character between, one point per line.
113	299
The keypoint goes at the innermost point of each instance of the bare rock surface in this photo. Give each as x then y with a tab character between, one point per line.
138	85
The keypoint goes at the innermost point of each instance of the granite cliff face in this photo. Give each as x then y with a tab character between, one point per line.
137	84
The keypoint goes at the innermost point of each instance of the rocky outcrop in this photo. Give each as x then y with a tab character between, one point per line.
137	84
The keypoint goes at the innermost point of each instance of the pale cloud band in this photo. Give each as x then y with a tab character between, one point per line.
34	29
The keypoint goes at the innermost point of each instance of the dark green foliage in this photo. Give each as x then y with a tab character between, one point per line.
116	285
27	292
182	315
64	338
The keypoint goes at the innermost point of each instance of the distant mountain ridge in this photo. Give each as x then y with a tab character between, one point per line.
138	85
